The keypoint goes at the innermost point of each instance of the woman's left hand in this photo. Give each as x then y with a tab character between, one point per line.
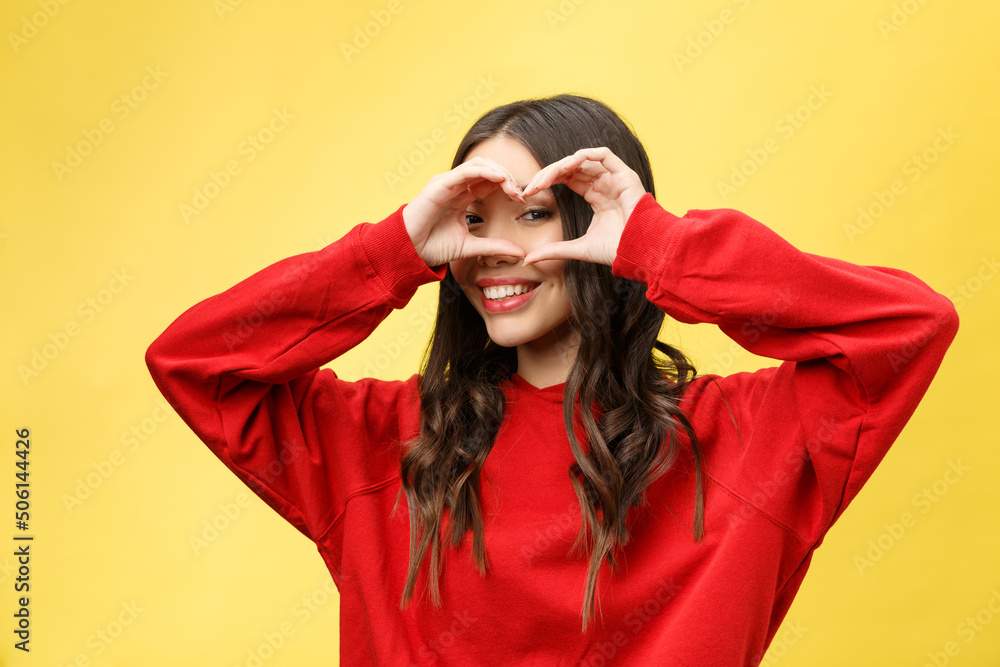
610	187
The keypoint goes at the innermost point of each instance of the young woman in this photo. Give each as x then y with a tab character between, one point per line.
475	513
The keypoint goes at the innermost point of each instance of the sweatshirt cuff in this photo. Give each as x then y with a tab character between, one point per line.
390	252
647	241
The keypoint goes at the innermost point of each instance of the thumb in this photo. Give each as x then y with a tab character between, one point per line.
572	249
479	247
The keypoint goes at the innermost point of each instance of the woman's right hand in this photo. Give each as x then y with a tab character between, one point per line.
435	218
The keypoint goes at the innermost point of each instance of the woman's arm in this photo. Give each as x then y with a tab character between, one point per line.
860	344
241	368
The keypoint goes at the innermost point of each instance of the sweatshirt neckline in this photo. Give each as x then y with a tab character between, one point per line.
552	393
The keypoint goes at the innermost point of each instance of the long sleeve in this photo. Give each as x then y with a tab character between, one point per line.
859	347
242	368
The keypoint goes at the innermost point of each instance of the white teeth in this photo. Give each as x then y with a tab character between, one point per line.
501	292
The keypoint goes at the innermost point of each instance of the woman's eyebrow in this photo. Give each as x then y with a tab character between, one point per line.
541	194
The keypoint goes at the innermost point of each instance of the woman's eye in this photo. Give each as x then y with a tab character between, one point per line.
472	219
538	214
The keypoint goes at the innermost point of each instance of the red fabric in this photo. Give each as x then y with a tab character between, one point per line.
786	448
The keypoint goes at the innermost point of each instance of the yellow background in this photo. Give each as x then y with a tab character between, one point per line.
358	115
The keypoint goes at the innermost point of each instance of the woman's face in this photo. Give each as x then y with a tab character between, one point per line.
540	316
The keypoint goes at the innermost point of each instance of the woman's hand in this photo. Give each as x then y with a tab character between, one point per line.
435	218
610	187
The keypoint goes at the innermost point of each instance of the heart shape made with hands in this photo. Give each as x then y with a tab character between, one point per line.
605	182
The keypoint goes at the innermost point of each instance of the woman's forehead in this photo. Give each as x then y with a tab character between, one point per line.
509	153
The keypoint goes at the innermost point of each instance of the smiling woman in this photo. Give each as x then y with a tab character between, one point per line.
439	503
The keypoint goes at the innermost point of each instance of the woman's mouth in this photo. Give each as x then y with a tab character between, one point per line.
503	298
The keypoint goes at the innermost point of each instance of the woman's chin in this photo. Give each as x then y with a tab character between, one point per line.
507	340
560	337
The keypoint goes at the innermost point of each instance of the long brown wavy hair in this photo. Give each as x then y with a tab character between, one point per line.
637	436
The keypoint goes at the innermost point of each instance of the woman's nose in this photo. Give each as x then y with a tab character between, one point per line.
497	260
498	230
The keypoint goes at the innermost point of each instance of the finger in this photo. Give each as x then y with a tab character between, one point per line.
476	246
584	181
511	189
593	162
510	186
480	189
561	172
549	175
572	249
460	200
459	178
605	157
510	178
476	183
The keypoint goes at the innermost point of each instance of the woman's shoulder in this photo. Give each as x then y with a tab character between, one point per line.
784	438
737	393
725	414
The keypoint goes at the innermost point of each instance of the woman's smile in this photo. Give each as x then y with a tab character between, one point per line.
503	294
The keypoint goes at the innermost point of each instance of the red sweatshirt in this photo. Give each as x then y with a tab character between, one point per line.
785	448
